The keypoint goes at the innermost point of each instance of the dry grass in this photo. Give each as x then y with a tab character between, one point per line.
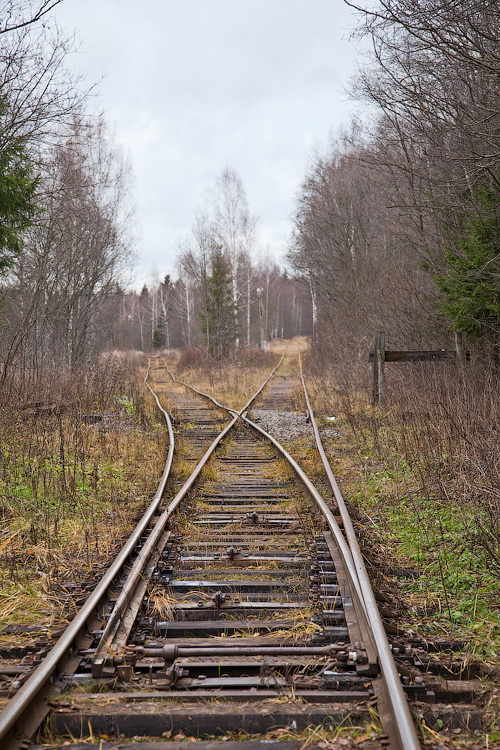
182	469
161	606
422	483
71	491
278	346
232	383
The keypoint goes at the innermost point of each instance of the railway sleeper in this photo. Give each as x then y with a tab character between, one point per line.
248	613
252	562
157	718
273	574
254	558
237	586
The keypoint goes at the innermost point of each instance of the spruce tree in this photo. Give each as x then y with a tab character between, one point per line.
470	280
218	315
17	192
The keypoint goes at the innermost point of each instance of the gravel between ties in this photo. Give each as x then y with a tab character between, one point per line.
286	425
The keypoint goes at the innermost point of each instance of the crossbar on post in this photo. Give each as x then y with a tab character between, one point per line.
380	355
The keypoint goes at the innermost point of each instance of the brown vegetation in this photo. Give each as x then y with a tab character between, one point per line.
75	470
396	224
231	382
421	480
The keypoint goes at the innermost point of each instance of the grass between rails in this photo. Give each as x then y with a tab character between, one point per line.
72	481
407	475
232	383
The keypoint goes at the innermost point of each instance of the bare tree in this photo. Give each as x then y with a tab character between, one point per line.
435	76
233	224
74	254
17	14
348	249
42	95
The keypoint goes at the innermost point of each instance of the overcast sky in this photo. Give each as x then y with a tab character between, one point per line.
193	86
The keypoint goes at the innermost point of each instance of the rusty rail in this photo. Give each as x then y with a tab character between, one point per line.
44	673
403	734
136	579
39	682
397	713
395	694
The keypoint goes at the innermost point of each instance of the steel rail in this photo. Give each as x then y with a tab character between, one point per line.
44	672
217	403
358	580
335	529
396	695
184	652
207	395
136	574
407	734
322	505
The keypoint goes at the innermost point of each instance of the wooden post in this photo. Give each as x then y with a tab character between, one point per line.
460	347
375	372
379	356
379	391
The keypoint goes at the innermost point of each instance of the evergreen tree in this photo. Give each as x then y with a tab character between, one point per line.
159	333
470	281
17	192
218	320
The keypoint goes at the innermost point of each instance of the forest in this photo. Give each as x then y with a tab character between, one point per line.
223	299
395	228
397	221
68	239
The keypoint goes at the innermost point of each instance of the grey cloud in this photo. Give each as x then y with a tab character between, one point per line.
195	85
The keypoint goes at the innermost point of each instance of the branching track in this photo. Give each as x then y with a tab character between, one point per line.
242	603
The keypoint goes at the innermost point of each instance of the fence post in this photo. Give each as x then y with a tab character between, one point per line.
460	349
378	392
375	372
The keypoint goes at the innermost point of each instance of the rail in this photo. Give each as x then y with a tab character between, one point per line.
217	403
393	700
395	693
40	680
44	672
377	645
136	577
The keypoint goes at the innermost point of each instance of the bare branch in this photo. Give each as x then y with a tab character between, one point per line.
18	15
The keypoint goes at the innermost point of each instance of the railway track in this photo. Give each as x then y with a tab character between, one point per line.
241	603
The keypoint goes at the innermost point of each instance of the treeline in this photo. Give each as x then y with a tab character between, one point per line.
65	215
223	299
172	314
67	240
397	226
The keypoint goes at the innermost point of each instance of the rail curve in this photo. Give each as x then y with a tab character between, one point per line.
108	650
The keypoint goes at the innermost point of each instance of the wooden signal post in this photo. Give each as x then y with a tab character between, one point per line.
379	356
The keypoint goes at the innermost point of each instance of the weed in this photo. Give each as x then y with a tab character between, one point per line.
425	487
72	479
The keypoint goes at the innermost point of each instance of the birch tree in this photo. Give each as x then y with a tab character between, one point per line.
234	226
73	256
